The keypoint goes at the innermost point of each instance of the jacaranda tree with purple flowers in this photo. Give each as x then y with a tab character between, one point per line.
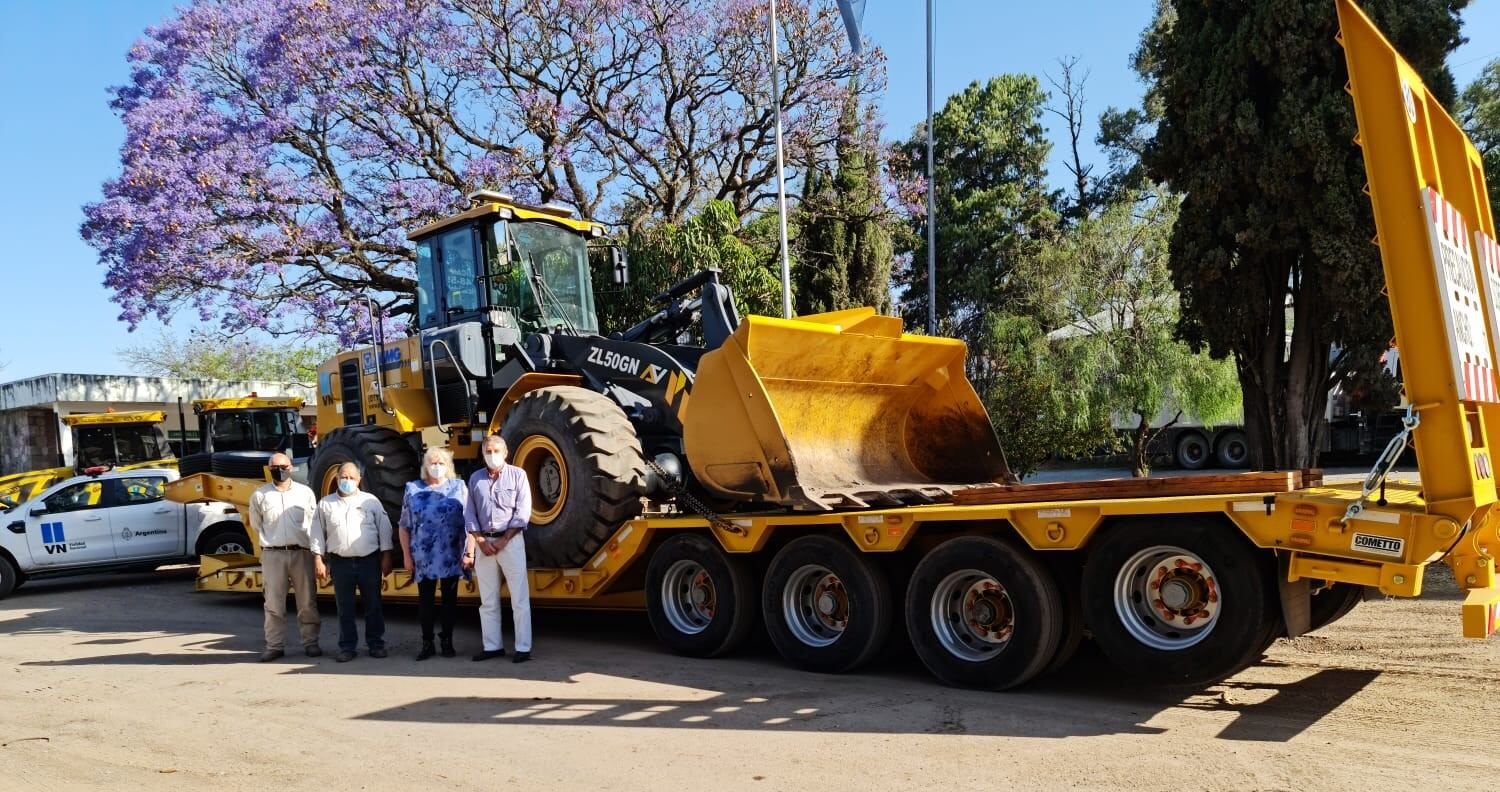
277	151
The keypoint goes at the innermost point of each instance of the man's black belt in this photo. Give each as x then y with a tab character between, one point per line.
284	547
492	534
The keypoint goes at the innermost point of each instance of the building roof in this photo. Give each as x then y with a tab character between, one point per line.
48	389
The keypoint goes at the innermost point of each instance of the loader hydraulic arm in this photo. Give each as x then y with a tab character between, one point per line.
713	307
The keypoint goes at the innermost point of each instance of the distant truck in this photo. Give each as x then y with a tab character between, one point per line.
1349	433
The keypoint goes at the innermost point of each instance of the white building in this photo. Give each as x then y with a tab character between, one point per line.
33	436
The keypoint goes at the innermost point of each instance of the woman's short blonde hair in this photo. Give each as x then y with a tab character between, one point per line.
438	454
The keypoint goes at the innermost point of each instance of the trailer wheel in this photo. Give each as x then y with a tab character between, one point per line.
1233	450
1334	603
984	614
699	599
583	460
1192	451
1178	600
826	607
1067	577
225	539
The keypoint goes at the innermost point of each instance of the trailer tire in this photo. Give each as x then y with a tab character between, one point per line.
1232	450
386	458
583	460
225	538
812	585
1191	451
1334	603
1146	582
192	464
983	613
1073	633
700	600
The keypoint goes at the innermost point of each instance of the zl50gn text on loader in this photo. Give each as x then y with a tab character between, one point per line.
829	475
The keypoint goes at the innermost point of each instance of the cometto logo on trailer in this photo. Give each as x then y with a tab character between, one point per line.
1379	545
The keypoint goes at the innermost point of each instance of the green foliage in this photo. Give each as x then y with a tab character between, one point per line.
1031	389
203	356
844	231
1254	133
1107	280
993	208
662	254
1479	112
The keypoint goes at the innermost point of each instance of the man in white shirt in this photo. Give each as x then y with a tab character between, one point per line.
281	514
351	541
495	513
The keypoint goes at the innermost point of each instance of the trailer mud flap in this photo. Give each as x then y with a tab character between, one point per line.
1295	596
1482	613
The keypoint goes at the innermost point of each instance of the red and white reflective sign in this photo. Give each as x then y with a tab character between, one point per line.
1469	347
1489	269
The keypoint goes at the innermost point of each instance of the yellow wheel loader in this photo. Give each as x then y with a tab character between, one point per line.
826	434
691	405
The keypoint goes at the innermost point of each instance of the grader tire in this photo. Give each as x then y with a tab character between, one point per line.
587	474
386	458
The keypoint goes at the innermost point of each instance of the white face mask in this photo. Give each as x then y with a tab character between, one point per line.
495	460
435	471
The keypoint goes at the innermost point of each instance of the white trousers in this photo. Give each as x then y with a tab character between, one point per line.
507	566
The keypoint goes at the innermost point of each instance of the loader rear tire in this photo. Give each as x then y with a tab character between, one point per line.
700	600
386	458
984	613
583	460
1179	600
826	607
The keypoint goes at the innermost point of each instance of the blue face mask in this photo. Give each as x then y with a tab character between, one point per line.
347	487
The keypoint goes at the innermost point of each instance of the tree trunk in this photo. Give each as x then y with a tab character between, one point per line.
1138	467
1284	385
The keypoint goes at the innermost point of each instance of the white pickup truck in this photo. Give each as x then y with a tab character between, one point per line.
117	521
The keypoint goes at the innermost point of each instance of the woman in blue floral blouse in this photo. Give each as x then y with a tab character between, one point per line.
432	536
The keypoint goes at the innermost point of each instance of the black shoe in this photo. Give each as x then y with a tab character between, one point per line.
271	654
427	650
448	648
379	652
489	655
312	650
344	657
521	657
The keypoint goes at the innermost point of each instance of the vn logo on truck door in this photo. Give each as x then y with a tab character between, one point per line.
624	364
53	539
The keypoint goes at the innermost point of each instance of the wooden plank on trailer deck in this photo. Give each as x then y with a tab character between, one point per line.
1110	489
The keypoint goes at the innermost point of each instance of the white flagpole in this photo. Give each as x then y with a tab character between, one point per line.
931	190
786	266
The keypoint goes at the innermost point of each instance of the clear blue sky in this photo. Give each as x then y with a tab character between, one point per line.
59	140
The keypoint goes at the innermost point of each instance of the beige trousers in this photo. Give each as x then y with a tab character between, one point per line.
278	568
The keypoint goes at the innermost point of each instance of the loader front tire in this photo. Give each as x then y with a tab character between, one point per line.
584	463
385	457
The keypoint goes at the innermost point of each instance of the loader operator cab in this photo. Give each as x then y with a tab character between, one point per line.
529	263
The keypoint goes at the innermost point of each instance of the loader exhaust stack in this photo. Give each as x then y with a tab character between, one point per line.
837	410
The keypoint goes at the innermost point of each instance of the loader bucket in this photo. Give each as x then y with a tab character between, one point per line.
836	410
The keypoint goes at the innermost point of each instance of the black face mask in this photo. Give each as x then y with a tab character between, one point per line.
279	475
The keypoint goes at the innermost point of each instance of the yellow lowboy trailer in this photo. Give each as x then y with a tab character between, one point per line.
1183	579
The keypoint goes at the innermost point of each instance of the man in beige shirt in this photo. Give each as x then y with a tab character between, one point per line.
281	514
351	541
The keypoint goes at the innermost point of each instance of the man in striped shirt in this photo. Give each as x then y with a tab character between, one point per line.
495	513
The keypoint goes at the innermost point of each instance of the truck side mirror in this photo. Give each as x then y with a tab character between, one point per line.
619	264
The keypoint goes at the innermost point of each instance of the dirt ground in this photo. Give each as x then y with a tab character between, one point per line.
131	682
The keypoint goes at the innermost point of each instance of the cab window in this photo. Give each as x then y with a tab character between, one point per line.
141	489
75	497
429	313
460	273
